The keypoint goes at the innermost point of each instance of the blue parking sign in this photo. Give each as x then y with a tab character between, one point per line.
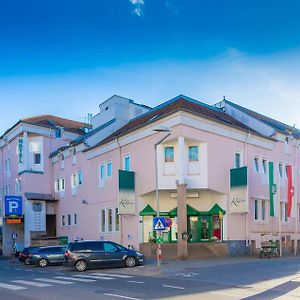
13	206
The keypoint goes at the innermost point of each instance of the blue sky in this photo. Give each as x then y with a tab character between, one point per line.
65	57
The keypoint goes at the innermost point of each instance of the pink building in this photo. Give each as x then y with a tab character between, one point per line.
27	172
95	200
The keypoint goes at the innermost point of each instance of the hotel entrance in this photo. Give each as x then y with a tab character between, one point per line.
201	226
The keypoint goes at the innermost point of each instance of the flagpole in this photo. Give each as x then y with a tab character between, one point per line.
279	218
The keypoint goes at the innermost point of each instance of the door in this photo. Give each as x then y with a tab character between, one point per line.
217	227
113	254
204	231
96	253
193	229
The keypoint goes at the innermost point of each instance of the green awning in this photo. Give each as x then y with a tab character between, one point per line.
191	211
216	209
148	211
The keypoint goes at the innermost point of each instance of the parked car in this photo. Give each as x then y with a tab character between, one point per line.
84	254
23	256
44	256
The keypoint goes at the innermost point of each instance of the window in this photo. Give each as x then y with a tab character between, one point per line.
74	180
169	154
7	189
109	247
256	210
110	221
37	158
260	210
74	219
127	163
286	171
69	220
60	184
58	133
80	178
109	169
263	210
7	167
283	211
18	186
63	220
280	170
264	166
193	153
62	162
74	159
102	171
117	219
102	220
237	160
256	165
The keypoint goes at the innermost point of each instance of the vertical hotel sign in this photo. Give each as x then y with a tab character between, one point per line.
126	193
239	190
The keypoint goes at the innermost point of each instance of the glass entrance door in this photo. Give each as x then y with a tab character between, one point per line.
193	229
204	224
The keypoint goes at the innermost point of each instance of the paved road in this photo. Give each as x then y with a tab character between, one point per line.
206	279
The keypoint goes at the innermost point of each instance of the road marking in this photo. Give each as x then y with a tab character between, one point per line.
75	279
12	287
133	281
121	296
173	287
53	281
94	277
32	283
112	275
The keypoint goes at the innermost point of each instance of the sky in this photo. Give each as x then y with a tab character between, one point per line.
66	57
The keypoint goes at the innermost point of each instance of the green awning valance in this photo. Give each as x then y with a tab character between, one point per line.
216	209
191	211
148	211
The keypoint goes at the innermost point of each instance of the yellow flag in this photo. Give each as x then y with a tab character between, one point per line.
220	215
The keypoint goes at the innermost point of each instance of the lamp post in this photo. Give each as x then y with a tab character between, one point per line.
158	233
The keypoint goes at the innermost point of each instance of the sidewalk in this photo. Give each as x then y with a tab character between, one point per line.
189	266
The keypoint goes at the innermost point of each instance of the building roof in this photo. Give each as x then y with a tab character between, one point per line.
179	103
51	121
277	125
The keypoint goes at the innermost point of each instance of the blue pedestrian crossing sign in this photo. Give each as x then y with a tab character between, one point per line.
159	223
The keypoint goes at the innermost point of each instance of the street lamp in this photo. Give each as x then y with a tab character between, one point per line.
158	249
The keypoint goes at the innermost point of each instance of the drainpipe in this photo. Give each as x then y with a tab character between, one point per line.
246	214
121	219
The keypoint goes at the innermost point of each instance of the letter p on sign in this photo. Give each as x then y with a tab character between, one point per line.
13	207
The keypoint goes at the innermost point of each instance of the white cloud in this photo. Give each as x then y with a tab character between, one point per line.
137	6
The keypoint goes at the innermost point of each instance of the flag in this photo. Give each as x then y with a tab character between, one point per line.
290	190
272	188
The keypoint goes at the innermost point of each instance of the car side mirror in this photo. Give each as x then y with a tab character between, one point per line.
117	250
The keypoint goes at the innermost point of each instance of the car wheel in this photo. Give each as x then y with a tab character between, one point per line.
81	265
43	262
130	262
27	261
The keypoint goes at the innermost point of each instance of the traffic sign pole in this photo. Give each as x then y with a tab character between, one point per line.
158	249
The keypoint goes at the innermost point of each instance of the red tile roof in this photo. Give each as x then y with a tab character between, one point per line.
179	103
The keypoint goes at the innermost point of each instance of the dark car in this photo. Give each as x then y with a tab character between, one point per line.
84	254
44	256
23	256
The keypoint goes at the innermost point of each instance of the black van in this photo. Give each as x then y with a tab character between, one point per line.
84	254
